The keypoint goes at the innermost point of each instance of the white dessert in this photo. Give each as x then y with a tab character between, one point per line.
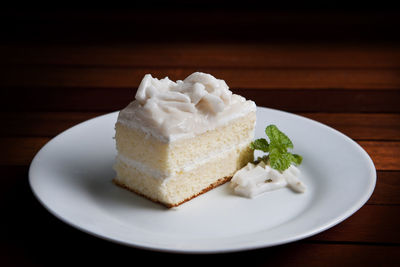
179	139
255	179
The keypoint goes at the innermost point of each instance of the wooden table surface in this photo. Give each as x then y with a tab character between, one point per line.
47	87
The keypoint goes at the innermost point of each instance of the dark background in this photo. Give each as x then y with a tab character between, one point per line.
203	21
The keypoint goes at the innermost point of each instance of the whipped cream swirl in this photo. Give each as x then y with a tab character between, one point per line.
255	179
171	110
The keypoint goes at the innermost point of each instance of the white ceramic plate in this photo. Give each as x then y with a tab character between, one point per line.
71	176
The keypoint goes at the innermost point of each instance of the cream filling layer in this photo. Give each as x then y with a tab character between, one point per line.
186	168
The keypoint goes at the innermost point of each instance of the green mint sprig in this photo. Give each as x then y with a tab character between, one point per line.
279	158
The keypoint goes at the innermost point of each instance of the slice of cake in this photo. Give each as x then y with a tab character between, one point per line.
177	140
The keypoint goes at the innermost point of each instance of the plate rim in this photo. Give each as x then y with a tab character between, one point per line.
337	220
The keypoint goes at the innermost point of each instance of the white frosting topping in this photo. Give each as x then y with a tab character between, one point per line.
171	110
253	180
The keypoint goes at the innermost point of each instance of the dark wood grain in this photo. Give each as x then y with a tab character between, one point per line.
213	55
372	223
360	126
383	154
41	124
245	78
112	99
387	189
20	151
298	254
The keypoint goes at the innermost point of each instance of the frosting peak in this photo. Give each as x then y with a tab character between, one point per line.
170	110
198	91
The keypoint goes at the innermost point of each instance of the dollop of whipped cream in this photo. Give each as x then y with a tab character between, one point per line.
255	179
171	110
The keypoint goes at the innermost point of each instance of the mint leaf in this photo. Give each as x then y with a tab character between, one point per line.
260	144
279	158
277	137
297	159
